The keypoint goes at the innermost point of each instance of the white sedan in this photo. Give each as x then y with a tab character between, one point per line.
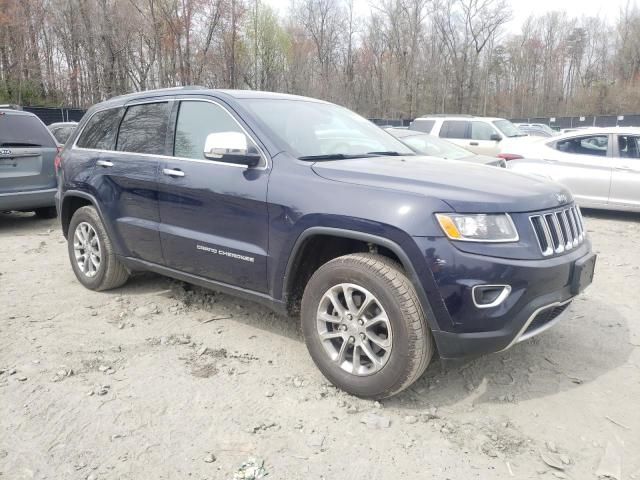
601	166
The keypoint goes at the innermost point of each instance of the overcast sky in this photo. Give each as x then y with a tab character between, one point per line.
521	8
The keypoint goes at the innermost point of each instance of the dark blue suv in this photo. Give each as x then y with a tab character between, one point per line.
314	211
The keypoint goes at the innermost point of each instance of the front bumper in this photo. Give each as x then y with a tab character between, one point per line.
27	200
540	291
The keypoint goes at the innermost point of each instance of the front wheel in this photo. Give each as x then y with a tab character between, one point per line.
364	326
92	256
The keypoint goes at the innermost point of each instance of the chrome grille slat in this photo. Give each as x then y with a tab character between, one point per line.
561	245
574	227
578	223
559	230
567	227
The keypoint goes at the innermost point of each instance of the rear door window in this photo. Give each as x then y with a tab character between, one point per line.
144	129
455	129
17	130
100	131
629	146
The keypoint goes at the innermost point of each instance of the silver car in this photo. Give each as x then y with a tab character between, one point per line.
425	144
28	153
600	166
62	130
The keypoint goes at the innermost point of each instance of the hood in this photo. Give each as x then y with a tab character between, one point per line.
466	187
485	160
522	144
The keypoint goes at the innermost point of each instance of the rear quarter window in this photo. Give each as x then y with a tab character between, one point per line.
423	125
100	131
24	131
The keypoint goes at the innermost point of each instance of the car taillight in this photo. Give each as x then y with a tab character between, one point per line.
509	156
57	163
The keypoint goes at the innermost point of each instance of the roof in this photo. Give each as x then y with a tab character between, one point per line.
600	131
63	124
11	111
456	116
265	95
198	90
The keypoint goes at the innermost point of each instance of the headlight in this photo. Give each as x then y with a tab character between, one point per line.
478	227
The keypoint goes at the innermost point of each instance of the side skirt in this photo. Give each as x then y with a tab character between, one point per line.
278	306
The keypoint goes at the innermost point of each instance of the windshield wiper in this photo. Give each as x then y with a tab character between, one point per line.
331	156
345	156
388	154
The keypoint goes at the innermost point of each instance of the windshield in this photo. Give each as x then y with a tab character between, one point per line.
62	134
316	131
508	129
546	128
435	147
23	131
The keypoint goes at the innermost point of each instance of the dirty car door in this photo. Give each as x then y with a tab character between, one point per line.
213	214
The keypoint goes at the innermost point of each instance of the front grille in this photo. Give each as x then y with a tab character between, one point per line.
559	230
545	317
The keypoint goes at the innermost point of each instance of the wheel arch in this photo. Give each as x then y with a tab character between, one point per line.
397	253
75	199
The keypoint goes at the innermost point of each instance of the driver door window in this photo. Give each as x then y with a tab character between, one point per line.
481	131
196	120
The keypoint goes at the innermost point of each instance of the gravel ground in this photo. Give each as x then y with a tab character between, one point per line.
162	380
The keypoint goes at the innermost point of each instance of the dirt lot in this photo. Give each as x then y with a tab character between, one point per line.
159	380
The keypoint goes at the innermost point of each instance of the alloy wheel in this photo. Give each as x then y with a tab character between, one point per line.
354	329
86	248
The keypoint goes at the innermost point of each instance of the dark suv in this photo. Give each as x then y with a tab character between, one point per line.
312	210
27	164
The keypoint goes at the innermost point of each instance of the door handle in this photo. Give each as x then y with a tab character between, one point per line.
104	163
474	144
173	172
626	168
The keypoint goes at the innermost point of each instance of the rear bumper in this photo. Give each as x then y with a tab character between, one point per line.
27	200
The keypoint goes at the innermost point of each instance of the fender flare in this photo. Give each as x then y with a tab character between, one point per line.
370	238
68	195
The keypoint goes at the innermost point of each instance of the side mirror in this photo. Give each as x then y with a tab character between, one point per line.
231	147
495	137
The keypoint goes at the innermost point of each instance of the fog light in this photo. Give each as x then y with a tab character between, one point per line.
488	296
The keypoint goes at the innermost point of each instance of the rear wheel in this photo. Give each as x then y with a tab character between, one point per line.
46	212
364	326
92	257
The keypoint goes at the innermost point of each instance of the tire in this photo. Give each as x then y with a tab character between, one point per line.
110	272
405	329
46	212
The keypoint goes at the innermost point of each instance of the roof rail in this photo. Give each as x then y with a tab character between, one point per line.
461	115
160	90
10	106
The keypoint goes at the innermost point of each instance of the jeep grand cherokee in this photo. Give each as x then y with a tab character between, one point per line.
312	210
